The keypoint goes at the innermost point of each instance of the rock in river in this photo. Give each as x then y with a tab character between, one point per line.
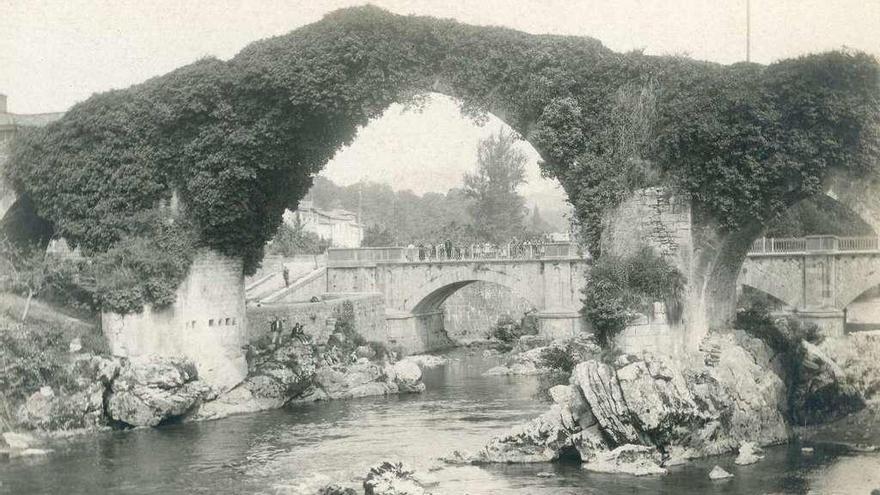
151	390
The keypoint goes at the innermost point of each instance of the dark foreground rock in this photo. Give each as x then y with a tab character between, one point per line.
639	413
820	391
79	404
149	391
390	478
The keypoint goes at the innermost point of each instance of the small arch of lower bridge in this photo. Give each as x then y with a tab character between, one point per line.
431	296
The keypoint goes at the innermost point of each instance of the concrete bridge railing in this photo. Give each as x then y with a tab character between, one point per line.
813	244
471	252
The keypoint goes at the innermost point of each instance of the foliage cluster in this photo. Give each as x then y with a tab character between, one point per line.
291	240
36	354
819	215
620	288
239	140
508	331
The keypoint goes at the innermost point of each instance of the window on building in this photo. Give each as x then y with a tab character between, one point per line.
227	321
210	323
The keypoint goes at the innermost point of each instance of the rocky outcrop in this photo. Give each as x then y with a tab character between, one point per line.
79	404
642	412
390	478
149	391
527	359
638	460
820	391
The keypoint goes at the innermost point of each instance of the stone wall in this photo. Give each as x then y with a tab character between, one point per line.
472	311
319	318
652	216
657	218
207	323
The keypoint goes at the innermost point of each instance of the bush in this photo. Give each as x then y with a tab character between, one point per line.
619	288
508	331
558	359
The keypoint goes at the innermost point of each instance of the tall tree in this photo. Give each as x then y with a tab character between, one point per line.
498	210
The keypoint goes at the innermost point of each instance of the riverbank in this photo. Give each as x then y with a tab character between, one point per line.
60	380
303	447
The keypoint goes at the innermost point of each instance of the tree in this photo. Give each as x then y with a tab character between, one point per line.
25	270
378	236
498	210
291	240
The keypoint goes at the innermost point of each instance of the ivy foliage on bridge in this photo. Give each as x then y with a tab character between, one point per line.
239	140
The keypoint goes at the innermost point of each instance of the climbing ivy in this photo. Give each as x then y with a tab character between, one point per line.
622	287
240	140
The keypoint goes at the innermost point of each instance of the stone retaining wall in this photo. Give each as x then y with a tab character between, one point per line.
319	318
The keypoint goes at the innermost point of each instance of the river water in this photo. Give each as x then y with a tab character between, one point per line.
303	447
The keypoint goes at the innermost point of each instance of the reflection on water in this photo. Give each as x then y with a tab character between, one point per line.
300	448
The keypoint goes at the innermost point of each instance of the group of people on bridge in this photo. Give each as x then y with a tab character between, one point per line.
531	248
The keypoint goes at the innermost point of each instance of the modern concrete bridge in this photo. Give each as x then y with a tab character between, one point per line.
815	276
550	277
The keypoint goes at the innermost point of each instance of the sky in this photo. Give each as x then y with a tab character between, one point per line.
54	53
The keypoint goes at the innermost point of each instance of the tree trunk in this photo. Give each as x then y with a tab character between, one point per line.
27	305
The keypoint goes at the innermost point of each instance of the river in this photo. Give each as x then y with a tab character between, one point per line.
303	447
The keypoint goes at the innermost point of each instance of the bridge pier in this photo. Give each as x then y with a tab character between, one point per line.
416	332
831	322
560	323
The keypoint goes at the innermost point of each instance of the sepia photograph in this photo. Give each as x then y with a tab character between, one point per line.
440	247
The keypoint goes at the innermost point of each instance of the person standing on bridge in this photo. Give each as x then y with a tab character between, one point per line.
448	246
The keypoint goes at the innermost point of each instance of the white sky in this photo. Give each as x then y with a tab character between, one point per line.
54	53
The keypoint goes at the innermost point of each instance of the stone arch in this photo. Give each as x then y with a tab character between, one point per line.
850	292
430	296
778	276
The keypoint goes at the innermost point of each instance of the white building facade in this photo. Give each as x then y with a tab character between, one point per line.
340	227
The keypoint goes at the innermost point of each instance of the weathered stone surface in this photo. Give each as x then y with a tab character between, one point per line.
718	473
79	405
746	400
638	460
598	384
659	400
151	390
392	479
561	394
821	392
748	454
545	438
686	408
18	440
858	355
408	376
426	361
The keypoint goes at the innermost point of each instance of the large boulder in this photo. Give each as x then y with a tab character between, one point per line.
408	376
78	404
747	400
390	478
148	391
545	438
688	407
820	390
600	388
638	460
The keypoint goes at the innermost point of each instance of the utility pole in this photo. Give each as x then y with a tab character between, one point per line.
748	30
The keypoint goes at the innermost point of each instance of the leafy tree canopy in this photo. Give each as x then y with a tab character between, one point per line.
239	140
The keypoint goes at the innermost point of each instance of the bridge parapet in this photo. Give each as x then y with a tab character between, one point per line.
818	244
396	254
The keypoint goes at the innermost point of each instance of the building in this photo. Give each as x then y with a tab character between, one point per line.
340	227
